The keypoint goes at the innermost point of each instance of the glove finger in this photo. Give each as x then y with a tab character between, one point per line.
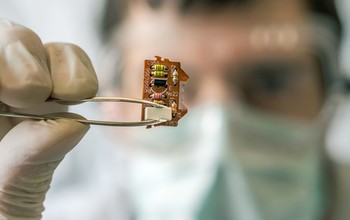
5	122
45	108
24	77
29	154
6	125
72	73
42	109
39	142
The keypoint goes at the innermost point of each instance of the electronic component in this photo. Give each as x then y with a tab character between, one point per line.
159	74
175	76
173	107
159	67
152	113
159	102
164	83
159	83
157	96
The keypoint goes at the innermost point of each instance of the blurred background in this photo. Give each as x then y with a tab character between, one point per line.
79	22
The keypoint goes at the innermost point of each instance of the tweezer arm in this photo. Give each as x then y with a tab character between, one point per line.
92	122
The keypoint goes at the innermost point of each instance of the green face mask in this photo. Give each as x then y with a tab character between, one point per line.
174	168
229	162
271	168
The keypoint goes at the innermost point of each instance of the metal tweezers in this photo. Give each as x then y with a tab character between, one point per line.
6	113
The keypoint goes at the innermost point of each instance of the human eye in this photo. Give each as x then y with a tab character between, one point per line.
292	88
268	80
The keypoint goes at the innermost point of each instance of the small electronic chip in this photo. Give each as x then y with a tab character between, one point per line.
164	83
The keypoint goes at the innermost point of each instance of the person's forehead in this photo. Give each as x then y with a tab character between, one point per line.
218	36
210	43
145	22
229	36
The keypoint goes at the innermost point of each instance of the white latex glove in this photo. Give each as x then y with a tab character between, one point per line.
30	73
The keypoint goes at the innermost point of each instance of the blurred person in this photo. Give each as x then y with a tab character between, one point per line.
263	87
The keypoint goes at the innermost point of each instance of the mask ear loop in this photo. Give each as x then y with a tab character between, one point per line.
5	113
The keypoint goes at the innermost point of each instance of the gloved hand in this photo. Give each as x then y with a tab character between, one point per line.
30	73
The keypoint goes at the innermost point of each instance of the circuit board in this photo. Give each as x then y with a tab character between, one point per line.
163	83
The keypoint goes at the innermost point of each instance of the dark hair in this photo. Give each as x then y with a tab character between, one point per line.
328	8
115	10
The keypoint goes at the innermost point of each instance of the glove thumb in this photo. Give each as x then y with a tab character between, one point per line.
29	154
